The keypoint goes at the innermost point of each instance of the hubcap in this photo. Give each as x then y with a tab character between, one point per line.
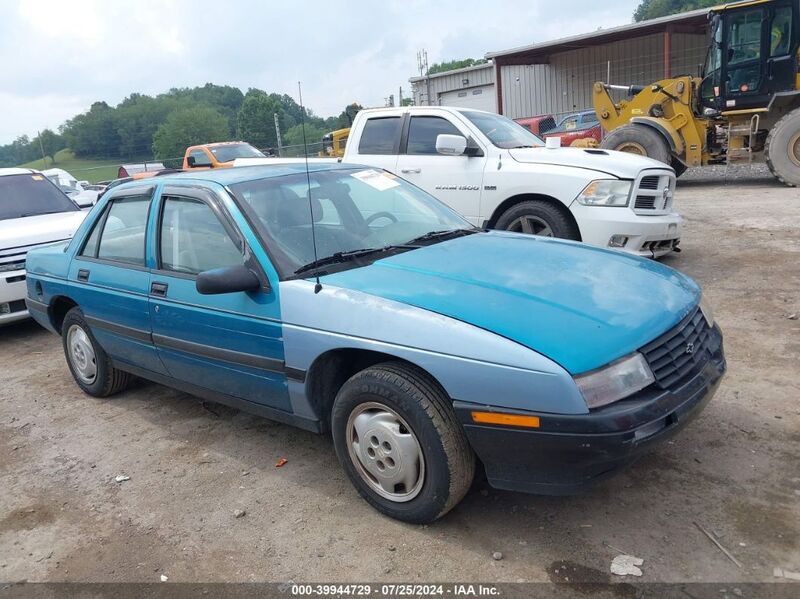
81	354
533	225
385	452
794	149
632	148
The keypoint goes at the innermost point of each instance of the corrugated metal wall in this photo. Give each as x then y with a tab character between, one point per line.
565	85
451	82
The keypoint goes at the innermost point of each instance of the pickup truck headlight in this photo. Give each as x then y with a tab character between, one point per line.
605	192
615	381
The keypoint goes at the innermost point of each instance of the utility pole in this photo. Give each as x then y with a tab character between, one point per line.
422	65
278	134
41	147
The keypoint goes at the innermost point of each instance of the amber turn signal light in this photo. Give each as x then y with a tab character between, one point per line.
505	419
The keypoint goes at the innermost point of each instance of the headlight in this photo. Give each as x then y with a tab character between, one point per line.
12	266
615	381
605	192
705	308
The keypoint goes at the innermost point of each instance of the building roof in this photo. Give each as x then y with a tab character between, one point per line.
475	67
694	21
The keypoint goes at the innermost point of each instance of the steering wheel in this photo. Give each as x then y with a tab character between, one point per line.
373	217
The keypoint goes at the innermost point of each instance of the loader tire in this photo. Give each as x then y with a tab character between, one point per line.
640	140
782	149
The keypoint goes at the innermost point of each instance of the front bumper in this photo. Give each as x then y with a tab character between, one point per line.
13	291
569	452
648	236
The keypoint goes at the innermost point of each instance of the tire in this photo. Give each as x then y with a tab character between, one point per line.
538	217
82	351
782	149
385	410
678	166
638	139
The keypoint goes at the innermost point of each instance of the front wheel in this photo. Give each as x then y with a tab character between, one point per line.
640	140
399	442
538	217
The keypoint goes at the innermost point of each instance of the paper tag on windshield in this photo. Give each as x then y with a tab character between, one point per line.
378	180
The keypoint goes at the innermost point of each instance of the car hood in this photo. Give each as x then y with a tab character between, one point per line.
44	228
580	306
620	164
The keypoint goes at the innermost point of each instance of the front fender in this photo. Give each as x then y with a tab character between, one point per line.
471	364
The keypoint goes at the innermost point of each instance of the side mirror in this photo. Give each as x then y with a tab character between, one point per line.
451	145
190	161
229	279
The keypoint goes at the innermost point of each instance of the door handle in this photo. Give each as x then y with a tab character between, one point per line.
159	289
410	170
83	275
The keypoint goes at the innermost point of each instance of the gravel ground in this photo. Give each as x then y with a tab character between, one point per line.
735	470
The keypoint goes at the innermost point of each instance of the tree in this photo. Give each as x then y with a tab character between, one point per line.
452	65
93	133
187	127
256	121
49	142
652	9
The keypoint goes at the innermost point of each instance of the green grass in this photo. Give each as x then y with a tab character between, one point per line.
80	168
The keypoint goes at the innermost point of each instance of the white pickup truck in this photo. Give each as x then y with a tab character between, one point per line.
499	175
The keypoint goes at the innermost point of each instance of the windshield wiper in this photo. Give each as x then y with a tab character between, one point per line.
339	257
440	234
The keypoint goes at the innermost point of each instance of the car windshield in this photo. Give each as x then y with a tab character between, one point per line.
502	131
31	194
358	213
230	152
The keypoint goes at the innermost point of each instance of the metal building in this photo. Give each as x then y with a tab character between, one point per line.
556	77
470	87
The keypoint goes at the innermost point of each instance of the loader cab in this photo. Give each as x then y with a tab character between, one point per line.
752	54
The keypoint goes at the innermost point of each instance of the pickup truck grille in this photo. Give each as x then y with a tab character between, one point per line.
14	258
680	351
653	193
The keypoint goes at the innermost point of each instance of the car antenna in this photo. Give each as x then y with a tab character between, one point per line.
318	286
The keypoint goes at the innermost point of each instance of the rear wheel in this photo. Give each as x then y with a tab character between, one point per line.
640	140
88	362
782	149
538	217
399	442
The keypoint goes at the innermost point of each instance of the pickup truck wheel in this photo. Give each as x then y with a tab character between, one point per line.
88	362
399	442
640	140
782	149
538	217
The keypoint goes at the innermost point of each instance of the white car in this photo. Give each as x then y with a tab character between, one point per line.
79	191
33	212
499	175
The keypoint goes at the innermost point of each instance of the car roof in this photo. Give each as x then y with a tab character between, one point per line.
16	171
241	174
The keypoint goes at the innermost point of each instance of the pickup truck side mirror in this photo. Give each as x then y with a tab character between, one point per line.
229	279
190	161
451	145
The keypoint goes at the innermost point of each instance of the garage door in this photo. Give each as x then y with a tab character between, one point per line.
481	98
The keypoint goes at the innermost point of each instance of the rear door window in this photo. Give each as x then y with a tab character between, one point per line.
380	136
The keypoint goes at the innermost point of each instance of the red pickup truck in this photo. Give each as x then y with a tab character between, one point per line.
579	129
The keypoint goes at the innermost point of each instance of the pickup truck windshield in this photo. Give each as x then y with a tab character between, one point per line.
31	195
360	215
501	131
230	152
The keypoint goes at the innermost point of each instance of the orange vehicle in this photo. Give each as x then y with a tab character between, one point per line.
218	155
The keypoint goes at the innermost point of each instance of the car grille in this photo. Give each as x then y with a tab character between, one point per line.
14	258
654	193
680	351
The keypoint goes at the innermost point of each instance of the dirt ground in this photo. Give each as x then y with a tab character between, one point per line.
735	470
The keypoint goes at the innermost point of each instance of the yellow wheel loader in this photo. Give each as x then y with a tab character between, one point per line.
744	108
333	143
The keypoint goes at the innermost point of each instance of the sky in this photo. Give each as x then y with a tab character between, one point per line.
59	56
